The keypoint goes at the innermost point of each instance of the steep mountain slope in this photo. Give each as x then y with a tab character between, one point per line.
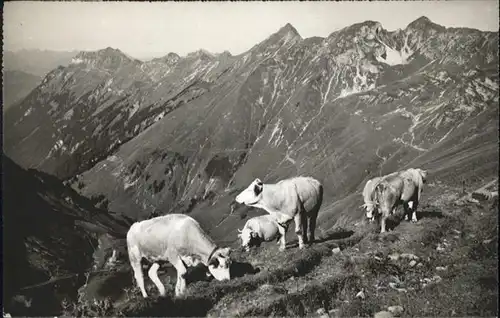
36	62
356	104
16	86
82	112
50	234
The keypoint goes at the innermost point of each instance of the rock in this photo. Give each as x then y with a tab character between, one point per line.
361	295
419	265
409	256
321	311
334	312
487	241
336	250
436	279
440	248
457	231
396	310
394	257
383	314
472	200
266	287
413	263
395	287
441	268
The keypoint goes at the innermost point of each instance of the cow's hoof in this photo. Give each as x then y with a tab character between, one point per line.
282	248
414	221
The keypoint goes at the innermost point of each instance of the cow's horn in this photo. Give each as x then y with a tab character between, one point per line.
239	231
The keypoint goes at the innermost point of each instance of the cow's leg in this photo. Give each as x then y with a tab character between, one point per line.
382	223
414	211
312	227
384	214
299	230
153	274
282	230
407	208
180	286
135	263
305	226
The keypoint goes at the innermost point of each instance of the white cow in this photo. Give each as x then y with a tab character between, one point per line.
297	199
257	229
404	188
368	195
178	239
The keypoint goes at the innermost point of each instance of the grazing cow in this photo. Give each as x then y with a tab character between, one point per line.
368	195
398	189
297	199
178	239
258	229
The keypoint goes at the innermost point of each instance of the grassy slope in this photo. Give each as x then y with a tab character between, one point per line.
300	282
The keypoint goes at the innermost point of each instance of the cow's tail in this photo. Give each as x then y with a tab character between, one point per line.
380	193
379	190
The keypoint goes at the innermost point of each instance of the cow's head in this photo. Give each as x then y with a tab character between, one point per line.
247	235
370	210
252	194
219	264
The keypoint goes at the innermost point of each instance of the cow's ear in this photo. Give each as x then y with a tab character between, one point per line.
214	262
257	189
258	186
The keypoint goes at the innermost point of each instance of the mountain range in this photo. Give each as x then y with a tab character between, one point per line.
185	134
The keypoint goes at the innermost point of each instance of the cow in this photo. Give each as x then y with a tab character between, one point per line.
298	199
180	240
368	195
258	229
398	189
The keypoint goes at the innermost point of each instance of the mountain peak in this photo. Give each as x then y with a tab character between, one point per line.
107	52
424	22
201	53
108	58
170	58
422	19
288	28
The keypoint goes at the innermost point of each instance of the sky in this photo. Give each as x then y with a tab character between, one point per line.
153	29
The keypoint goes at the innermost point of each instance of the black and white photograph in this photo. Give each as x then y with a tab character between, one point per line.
250	158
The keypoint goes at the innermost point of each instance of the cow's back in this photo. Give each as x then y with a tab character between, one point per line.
157	236
268	226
